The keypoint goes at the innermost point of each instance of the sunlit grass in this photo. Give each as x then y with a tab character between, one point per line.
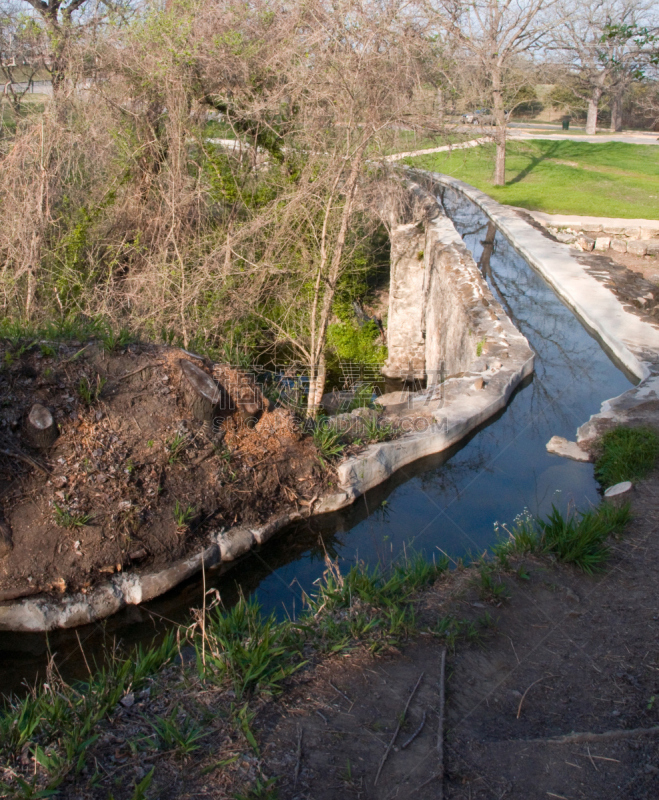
611	179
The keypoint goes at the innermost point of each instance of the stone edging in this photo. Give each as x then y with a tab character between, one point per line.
632	340
448	411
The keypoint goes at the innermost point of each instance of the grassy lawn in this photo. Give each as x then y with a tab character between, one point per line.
611	179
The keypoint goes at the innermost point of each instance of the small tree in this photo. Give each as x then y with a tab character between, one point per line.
494	35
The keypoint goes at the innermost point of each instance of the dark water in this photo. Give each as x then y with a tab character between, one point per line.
448	502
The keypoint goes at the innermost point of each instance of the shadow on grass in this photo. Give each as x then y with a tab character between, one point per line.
535	161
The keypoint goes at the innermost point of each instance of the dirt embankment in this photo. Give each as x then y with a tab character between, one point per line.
133	479
555	696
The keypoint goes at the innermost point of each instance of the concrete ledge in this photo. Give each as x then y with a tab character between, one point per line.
632	340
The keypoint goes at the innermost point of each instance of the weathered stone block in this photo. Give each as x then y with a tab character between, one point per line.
562	447
613	230
585	242
619	245
637	248
591	227
602	243
653	247
632	233
648	233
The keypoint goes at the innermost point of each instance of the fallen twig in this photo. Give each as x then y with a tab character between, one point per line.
587	736
15	453
75	355
519	707
344	696
140	369
299	755
400	722
440	724
416	733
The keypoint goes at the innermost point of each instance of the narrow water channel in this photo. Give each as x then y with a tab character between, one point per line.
449	502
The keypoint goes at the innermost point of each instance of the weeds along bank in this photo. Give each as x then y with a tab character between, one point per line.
198	703
194	181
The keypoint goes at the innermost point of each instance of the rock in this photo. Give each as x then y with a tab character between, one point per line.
585	242
648	233
632	233
602	243
565	238
364	413
235	543
336	401
394	398
128	700
619	490
591	227
653	247
637	248
562	447
619	245
614	230
479	383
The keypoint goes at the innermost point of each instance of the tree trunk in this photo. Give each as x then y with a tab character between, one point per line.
316	387
317	370
593	107
440	107
616	111
500	135
500	163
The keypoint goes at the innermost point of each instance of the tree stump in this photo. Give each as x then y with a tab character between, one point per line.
41	427
6	541
202	394
245	395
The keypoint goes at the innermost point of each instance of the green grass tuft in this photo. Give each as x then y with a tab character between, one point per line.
579	538
628	454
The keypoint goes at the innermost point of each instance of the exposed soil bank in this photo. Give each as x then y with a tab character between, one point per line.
132	479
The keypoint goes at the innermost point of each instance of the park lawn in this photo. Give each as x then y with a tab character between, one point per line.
612	179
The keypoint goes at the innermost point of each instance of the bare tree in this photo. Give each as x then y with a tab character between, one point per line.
631	49
22	54
494	35
601	42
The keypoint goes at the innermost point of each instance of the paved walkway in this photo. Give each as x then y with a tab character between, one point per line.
650	139
573	221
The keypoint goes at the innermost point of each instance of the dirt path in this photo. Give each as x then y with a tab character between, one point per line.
566	654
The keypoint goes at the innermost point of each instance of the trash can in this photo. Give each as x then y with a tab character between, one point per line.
566	123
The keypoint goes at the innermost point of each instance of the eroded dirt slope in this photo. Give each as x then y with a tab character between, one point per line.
133	480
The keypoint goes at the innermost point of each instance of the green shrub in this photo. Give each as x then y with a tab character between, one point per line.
628	454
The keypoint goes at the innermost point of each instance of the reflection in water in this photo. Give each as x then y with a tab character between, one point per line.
448	502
